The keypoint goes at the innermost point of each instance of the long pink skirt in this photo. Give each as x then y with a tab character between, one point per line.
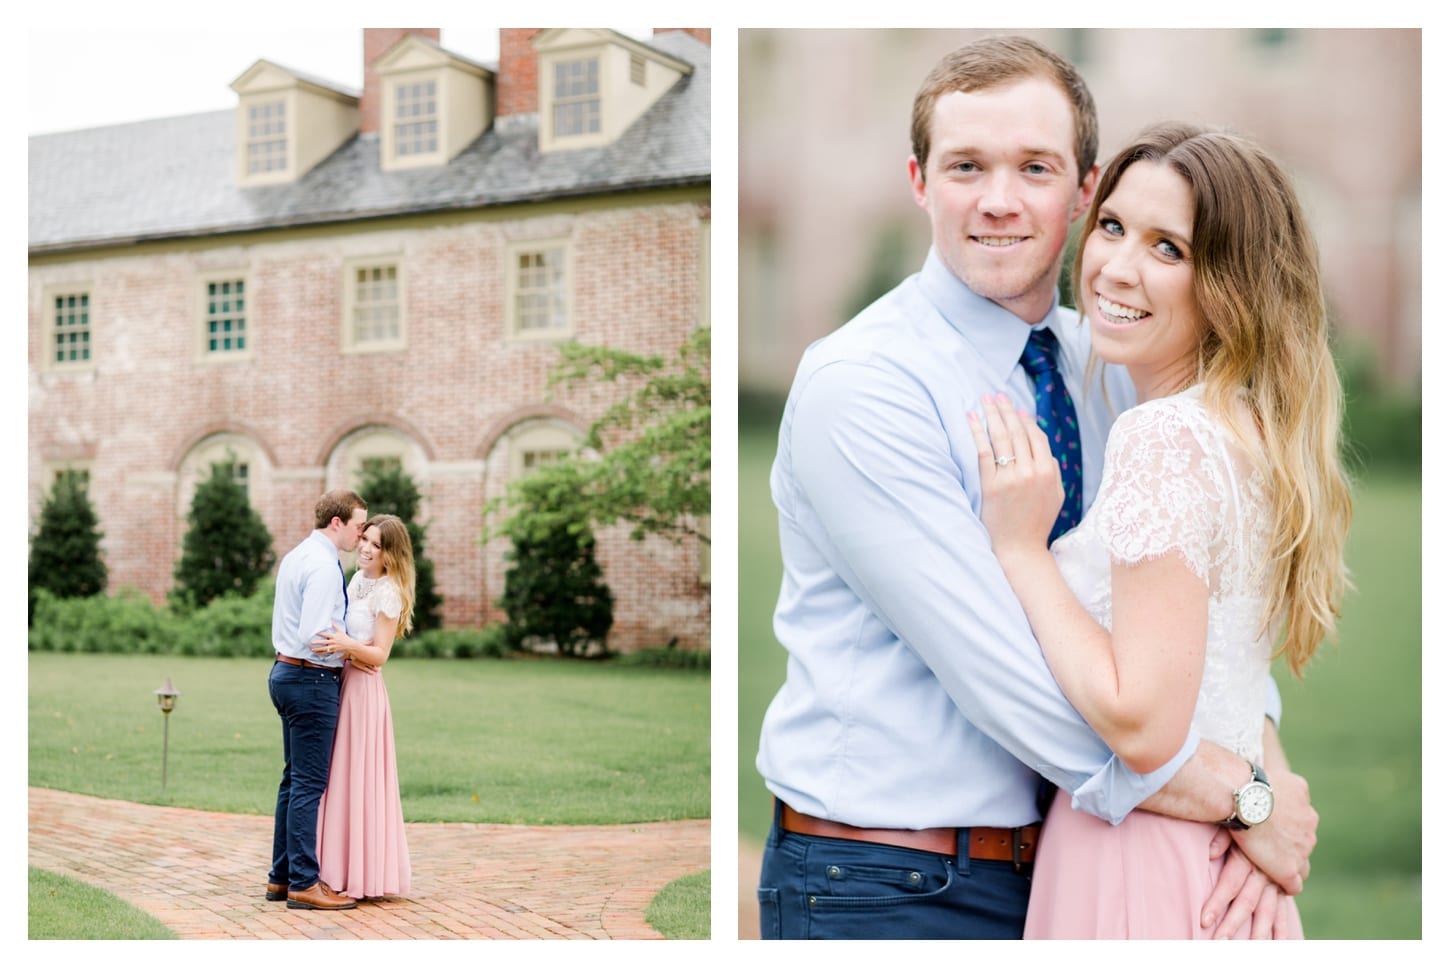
362	847
1148	877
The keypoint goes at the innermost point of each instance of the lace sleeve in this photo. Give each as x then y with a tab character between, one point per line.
1163	490
390	603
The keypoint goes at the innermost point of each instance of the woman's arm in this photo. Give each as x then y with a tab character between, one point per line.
1136	686
370	655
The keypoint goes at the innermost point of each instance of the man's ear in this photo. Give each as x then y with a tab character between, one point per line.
918	180
1084	198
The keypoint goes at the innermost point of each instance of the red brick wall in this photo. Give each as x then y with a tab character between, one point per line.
454	392
518	71
376	42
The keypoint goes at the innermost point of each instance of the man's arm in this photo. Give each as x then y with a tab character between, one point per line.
1203	790
890	473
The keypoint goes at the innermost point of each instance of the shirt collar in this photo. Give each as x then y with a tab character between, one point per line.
997	334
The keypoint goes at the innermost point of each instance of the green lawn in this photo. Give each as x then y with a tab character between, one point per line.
1352	727
532	742
526	741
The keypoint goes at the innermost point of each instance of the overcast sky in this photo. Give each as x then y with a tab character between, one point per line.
83	78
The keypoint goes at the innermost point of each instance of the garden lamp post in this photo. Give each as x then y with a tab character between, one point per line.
166	699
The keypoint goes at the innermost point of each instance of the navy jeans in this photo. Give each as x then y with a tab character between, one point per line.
306	699
824	888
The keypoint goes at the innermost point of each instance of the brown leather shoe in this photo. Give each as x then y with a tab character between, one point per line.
276	892
319	897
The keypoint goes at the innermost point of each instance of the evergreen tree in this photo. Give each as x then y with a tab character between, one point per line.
390	490
553	591
227	548
65	552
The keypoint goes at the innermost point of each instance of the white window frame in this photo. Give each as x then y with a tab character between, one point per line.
515	288
539	437
51	328
575	99
404	93
220	448
279	158
353	303
204	319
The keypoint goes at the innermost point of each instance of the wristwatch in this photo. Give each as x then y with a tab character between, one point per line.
1253	802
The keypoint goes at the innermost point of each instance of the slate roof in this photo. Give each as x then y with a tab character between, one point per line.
176	177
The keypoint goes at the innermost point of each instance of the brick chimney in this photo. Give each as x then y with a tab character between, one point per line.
702	34
376	42
518	71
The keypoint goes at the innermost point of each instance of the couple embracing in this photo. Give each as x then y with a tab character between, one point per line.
1037	561
338	834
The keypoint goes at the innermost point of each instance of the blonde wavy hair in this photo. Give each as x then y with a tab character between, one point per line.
397	558
1256	280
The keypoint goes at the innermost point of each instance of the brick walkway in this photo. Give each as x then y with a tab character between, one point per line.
202	874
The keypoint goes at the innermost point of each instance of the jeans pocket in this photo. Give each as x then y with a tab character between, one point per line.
769	898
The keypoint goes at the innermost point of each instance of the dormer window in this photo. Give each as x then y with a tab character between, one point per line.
576	97
287	123
593	84
416	120
434	104
266	136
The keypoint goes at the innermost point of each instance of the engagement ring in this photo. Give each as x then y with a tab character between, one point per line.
1004	461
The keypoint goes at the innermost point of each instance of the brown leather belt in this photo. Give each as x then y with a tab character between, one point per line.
1017	845
305	664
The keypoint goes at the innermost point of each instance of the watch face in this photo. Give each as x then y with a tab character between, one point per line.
1256	802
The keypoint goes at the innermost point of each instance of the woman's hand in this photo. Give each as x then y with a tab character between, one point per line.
333	642
1021	484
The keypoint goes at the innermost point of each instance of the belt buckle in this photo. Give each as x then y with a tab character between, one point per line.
1018	846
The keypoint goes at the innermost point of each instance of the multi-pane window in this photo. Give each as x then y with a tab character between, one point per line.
415	130
236	471
226	316
376	306
266	137
531	460
71	329
576	97
374	466
540	299
80	477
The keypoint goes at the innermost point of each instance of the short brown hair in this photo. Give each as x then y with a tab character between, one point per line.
995	61
337	503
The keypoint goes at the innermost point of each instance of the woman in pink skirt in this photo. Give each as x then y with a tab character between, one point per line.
362	847
1218	528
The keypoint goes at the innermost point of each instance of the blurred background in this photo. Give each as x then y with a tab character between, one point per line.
827	224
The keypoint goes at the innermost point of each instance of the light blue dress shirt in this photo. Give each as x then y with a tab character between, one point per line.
915	693
309	599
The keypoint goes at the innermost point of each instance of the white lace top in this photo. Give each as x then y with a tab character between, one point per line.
366	597
1176	482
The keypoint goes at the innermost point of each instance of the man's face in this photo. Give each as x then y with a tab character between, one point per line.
352	530
1000	186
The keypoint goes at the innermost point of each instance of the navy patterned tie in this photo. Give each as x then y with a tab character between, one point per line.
343	574
1058	419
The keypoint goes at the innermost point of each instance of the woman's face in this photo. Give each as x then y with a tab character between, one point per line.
1137	279
370	553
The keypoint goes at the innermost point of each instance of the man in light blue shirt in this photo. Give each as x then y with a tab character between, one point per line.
904	749
311	598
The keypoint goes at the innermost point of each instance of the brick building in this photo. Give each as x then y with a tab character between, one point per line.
323	278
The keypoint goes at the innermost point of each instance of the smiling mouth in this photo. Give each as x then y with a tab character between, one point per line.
1118	313
998	241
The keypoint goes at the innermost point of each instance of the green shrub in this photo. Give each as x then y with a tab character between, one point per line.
390	490
65	552
667	657
227	548
126	622
553	592
232	626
